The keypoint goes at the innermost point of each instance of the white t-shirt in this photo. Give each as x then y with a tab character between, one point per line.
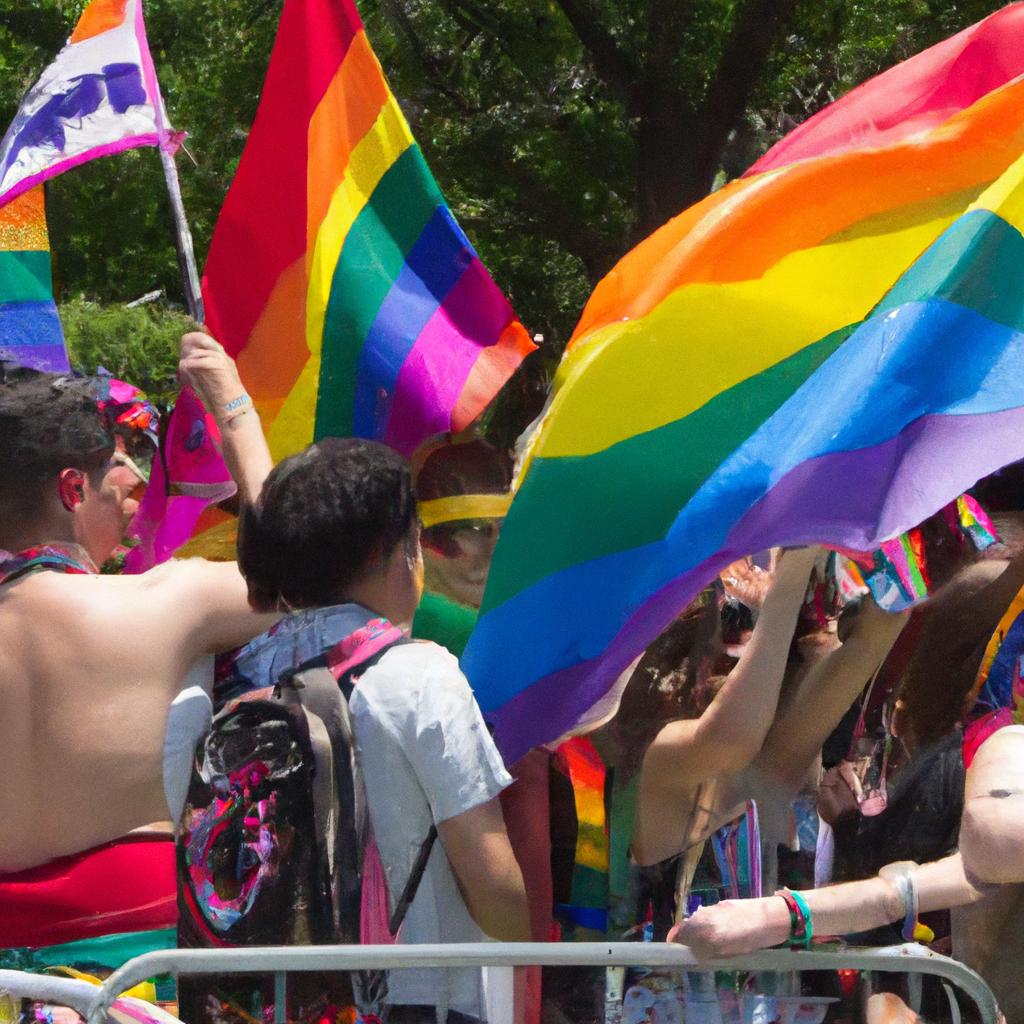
426	757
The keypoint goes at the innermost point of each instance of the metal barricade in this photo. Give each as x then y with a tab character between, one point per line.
280	961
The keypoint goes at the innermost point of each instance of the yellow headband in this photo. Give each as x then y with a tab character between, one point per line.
463	506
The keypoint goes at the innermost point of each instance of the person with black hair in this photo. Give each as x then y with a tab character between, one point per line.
334	541
90	664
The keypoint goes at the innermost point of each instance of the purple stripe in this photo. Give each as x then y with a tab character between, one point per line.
51	358
434	373
107	149
847	499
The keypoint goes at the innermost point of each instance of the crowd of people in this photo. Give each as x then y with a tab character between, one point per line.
284	749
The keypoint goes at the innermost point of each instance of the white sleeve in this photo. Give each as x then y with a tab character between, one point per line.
432	713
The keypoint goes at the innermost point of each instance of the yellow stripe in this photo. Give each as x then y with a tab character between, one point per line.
373	155
1006	196
707	338
292	428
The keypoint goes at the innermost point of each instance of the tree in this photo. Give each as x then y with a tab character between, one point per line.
562	131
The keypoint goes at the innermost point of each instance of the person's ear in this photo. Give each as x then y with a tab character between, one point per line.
71	488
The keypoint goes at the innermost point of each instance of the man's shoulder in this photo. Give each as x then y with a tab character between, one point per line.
410	675
415	663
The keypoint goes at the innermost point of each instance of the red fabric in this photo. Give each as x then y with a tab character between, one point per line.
311	36
977	732
126	886
919	94
526	805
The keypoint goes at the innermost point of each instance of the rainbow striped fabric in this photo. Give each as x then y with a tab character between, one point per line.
337	275
765	369
30	330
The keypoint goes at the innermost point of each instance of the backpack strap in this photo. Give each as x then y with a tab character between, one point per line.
315	689
412	884
320	693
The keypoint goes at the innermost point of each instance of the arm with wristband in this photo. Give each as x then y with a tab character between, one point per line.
212	373
897	893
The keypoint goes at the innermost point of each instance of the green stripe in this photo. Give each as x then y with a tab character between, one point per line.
978	263
373	254
25	276
630	494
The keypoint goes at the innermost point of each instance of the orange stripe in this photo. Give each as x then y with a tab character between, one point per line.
100	16
348	110
23	223
269	367
745	228
492	369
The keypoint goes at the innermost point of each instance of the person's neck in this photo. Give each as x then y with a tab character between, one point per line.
375	598
21	536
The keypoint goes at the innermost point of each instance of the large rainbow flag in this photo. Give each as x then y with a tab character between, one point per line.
30	330
337	275
828	349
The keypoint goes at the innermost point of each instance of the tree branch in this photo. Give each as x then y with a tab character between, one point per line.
748	47
431	65
610	62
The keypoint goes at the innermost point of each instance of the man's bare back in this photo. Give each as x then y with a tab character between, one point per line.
89	666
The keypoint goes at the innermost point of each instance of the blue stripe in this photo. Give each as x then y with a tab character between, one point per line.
924	358
28	324
432	269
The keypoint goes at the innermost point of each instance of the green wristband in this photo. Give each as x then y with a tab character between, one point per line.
808	922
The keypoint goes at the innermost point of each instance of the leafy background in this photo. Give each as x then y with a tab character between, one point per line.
562	132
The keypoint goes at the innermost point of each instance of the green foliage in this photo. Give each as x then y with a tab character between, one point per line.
138	345
560	130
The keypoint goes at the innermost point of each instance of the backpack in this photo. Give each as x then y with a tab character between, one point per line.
275	846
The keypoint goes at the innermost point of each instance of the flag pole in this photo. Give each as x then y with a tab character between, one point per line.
182	236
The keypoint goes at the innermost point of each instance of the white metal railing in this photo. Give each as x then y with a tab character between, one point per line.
93	1003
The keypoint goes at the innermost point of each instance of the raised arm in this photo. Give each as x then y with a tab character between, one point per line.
211	372
824	695
732	730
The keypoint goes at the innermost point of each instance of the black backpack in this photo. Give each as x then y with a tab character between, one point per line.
273	838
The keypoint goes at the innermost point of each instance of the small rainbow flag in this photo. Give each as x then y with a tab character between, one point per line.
765	369
337	275
30	331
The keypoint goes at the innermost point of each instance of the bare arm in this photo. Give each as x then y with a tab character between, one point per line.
741	926
825	694
992	827
208	602
205	366
486	871
730	733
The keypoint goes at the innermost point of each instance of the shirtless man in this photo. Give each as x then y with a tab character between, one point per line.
89	664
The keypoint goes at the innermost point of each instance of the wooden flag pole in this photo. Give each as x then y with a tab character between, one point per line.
183	238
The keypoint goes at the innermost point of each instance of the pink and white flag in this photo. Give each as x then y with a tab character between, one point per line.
99	96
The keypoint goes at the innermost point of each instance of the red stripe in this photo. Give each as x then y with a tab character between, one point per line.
916	95
262	226
127	886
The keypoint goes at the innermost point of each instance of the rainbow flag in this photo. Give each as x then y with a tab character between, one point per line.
337	275
30	331
830	349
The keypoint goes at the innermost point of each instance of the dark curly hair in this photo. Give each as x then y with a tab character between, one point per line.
322	518
48	422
